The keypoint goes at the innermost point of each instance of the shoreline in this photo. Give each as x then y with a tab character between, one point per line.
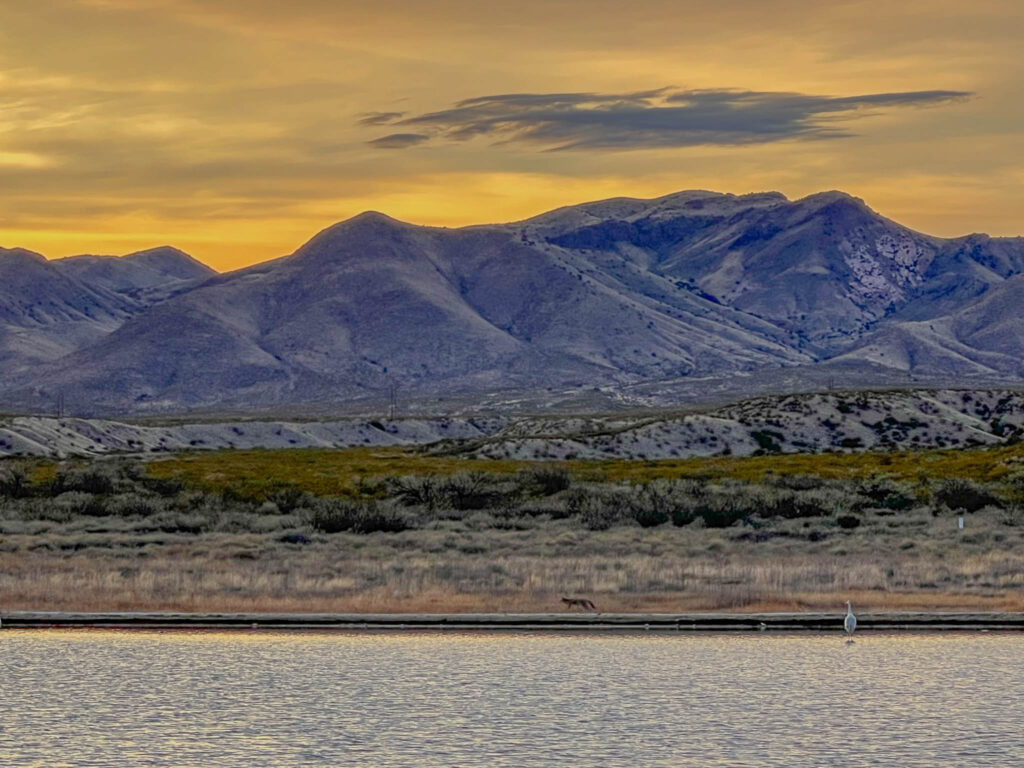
679	622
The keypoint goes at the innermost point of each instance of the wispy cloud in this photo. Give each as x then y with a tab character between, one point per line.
379	118
399	140
662	117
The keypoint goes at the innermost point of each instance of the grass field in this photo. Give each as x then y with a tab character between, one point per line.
329	472
262	530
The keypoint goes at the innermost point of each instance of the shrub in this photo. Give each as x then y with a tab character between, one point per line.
720	511
162	486
848	522
415	490
766	440
132	504
473	490
819	503
599	510
649	515
887	494
76	503
659	501
14	481
288	499
958	493
337	515
545	480
95	479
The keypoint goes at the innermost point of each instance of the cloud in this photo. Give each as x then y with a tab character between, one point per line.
399	140
379	118
662	117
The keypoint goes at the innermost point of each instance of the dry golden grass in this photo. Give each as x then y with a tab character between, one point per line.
920	563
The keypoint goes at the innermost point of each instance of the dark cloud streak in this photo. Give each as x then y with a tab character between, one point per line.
379	118
399	140
661	117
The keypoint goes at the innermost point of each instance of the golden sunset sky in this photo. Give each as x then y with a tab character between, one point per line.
236	129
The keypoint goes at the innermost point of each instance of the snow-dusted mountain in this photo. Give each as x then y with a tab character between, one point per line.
148	276
612	294
46	314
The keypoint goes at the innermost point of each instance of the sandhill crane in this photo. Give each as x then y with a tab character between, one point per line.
850	622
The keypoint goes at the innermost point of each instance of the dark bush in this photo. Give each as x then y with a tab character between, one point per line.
337	515
898	502
659	501
93	479
462	491
15	482
793	505
721	511
848	522
289	499
474	490
545	480
769	502
78	503
957	493
133	504
415	491
648	516
766	440
599	510
885	493
162	486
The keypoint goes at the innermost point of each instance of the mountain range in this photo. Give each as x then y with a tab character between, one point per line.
602	297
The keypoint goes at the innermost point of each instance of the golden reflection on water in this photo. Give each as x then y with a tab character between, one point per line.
186	699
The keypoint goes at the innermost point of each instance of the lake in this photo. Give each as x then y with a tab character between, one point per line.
264	699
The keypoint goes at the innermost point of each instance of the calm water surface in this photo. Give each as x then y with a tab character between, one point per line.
98	698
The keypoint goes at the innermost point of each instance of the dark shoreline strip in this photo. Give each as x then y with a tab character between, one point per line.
716	622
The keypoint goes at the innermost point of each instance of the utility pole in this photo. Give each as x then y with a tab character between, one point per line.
60	405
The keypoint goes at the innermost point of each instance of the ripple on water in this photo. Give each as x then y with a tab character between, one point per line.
99	698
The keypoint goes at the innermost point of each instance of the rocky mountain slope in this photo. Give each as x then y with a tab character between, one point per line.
692	287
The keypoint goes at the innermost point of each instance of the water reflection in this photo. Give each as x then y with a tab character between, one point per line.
98	698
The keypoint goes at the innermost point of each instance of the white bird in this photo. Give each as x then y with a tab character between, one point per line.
850	622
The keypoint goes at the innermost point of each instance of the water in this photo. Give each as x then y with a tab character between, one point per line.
255	700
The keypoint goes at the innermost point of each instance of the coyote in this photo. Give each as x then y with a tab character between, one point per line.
582	602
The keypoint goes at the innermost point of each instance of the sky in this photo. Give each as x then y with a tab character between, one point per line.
237	129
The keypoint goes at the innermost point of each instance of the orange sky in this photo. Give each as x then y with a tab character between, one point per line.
234	129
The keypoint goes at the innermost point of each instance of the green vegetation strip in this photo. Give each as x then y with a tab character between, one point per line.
351	472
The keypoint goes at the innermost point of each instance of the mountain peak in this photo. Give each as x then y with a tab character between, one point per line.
170	261
156	251
829	197
372	217
365	227
23	255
